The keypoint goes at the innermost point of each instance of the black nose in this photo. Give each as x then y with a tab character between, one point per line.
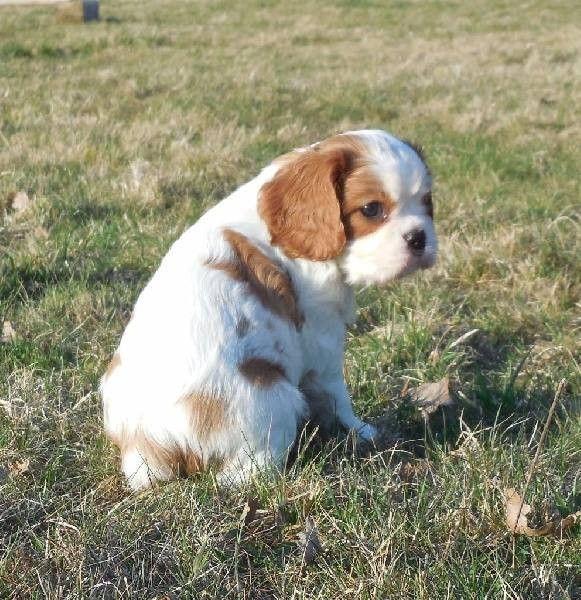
416	240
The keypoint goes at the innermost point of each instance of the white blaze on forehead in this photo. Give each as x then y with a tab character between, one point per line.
384	254
397	165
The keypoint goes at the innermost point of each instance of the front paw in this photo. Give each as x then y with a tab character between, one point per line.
367	432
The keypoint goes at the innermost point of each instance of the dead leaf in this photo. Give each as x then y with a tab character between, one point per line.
309	541
410	471
518	523
14	469
568	522
8	333
20	202
249	511
428	397
19	467
40	233
434	357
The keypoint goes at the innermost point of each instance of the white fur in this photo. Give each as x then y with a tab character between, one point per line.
181	338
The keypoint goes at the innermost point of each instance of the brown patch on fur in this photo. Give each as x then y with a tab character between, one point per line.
207	412
266	280
207	415
115	362
181	461
301	204
242	327
363	187
261	371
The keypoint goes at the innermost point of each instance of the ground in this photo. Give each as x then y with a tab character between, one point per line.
115	136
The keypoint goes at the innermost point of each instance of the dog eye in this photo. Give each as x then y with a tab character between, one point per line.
373	210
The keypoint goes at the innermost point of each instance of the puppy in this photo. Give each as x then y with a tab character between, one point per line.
244	321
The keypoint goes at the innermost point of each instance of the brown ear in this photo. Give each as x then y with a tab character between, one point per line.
301	204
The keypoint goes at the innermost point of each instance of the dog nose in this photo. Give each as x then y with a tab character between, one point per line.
416	240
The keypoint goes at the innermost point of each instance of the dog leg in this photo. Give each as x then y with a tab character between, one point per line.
266	434
338	406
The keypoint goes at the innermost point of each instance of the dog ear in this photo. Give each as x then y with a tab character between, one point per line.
301	205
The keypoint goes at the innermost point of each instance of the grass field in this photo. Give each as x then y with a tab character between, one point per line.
120	134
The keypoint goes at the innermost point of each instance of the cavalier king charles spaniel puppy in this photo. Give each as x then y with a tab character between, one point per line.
238	338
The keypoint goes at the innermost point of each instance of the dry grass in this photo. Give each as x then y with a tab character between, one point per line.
121	133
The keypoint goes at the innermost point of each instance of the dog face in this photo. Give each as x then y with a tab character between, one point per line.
363	199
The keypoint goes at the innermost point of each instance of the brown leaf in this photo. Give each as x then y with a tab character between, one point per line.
309	542
568	522
428	397
19	467
20	202
410	471
40	233
249	512
434	356
8	333
518	523
14	469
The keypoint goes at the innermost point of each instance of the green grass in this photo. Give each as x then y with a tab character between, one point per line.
123	132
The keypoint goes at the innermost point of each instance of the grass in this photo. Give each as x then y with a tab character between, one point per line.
123	132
